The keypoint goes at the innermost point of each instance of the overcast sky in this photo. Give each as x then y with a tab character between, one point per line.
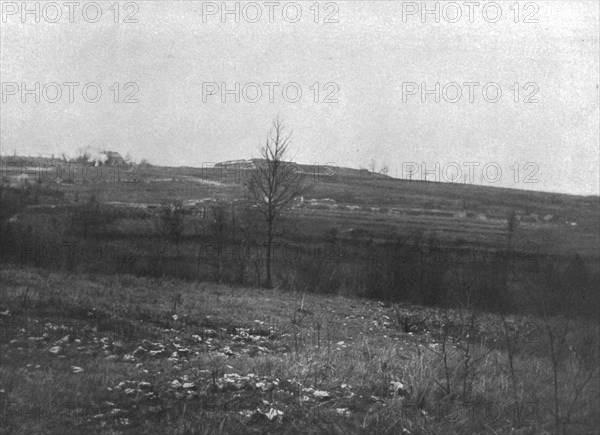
362	63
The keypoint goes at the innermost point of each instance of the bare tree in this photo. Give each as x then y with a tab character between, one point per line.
274	183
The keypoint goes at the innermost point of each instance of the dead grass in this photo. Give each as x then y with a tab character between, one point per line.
218	359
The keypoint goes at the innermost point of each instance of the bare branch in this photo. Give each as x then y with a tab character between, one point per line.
275	182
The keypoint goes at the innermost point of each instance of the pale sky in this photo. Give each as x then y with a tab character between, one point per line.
366	57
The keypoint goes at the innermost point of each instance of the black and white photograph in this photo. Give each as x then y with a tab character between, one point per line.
300	217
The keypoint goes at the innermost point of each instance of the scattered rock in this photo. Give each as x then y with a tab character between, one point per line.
55	350
321	395
398	389
343	411
273	414
125	384
227	351
247	413
144	385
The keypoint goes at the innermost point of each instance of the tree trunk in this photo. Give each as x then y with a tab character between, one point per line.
269	282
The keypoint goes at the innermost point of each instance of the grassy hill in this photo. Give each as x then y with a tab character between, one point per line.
352	233
555	223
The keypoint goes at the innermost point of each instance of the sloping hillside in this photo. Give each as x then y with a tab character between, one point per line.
117	354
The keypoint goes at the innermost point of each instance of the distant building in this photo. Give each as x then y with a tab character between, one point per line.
113	158
236	164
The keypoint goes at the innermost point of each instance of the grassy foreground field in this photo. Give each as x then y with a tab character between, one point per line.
118	354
